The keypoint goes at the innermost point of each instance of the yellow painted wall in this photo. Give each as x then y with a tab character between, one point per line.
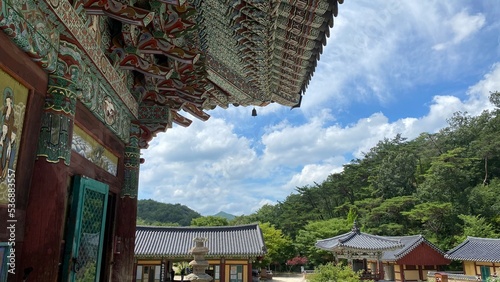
245	273
469	268
397	275
228	263
411	275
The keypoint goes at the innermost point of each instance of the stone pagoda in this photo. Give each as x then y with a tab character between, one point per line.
199	264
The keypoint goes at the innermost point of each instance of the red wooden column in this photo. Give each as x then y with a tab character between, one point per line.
249	275
123	268
46	211
223	269
15	62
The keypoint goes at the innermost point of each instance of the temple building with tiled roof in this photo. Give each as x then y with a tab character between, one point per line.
231	250
391	258
356	243
87	84
359	248
480	256
413	260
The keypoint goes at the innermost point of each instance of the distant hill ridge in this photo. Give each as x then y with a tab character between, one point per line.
150	212
225	215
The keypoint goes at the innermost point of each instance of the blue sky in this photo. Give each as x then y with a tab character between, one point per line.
389	67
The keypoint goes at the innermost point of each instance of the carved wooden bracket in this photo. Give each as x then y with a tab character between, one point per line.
118	11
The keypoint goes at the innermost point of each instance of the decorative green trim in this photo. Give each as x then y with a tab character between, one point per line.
54	142
60	99
132	162
30	30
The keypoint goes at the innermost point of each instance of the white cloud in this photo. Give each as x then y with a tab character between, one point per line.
379	50
315	173
461	26
480	92
209	168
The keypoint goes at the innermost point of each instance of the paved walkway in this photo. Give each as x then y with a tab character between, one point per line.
290	278
276	278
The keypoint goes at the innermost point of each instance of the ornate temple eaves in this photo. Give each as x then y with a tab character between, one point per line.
168	56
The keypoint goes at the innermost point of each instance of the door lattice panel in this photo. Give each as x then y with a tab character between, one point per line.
85	231
92	217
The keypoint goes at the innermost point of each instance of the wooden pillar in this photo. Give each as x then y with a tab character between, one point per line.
402	272
250	267
14	62
380	268
222	269
127	211
45	214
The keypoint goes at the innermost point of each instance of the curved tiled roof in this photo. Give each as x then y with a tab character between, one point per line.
253	46
358	241
409	244
162	58
222	241
476	249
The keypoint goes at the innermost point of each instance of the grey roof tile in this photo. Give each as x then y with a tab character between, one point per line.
226	241
409	243
357	240
476	249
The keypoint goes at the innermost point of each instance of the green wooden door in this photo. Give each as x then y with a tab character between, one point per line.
485	272
85	230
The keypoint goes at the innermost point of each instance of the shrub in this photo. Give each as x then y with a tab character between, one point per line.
334	273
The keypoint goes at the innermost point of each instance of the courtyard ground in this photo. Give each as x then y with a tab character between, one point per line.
287	278
276	278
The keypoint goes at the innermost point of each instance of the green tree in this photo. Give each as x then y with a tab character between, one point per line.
387	219
395	175
485	201
209	221
279	247
449	179
352	216
266	213
179	266
331	272
486	146
436	220
315	198
495	98
293	214
142	222
475	226
318	230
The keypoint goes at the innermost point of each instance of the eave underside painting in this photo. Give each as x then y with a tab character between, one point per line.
147	61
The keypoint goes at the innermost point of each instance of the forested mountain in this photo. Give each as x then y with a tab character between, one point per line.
150	212
445	186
